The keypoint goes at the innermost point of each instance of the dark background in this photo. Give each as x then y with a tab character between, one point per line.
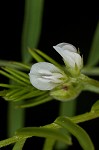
63	21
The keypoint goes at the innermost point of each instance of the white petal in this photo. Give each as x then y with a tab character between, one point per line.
44	68
66	55
44	76
67	46
78	60
69	54
40	83
72	59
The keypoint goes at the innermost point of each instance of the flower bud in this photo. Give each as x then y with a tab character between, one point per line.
71	57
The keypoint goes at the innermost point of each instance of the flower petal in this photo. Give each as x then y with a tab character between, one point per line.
45	76
67	46
69	54
66	56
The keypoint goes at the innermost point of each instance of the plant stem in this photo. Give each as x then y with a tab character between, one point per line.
85	117
49	143
89	84
77	119
93	71
15	119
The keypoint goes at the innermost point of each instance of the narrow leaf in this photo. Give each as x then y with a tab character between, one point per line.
95	106
21	65
3	93
36	56
32	26
48	58
35	101
44	132
10	93
15	94
13	64
19	145
23	74
49	144
17	74
28	95
9	141
9	86
12	78
77	131
94	51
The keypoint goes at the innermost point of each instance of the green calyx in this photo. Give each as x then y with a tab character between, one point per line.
68	90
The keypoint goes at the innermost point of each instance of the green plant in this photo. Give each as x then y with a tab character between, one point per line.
22	94
17	92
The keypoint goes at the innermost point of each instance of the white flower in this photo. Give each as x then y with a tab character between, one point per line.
70	55
45	76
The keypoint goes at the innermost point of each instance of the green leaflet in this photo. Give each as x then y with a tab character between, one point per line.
22	93
94	51
77	131
19	145
15	94
95	106
10	141
49	144
39	56
10	93
35	101
36	56
46	57
13	64
28	95
17	74
44	132
12	77
9	86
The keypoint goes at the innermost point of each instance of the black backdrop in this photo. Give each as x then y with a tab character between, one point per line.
63	21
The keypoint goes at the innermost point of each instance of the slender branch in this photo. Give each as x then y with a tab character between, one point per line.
89	84
49	143
85	117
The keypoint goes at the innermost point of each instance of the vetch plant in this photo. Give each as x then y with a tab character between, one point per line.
44	81
32	85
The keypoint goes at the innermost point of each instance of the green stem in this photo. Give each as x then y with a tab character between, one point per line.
11	140
19	145
66	109
30	38
90	84
77	119
49	143
85	117
15	119
31	27
93	71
